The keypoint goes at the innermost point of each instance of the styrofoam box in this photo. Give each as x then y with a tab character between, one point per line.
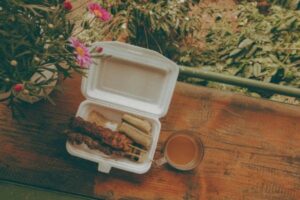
130	80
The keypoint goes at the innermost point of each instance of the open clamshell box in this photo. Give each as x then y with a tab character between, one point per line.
130	80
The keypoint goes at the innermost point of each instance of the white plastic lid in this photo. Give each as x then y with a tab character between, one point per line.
132	77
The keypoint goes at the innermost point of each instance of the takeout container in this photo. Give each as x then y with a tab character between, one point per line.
130	80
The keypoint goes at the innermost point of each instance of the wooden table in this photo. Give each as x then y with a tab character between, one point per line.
252	150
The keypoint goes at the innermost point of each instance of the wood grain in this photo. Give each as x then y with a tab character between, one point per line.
252	150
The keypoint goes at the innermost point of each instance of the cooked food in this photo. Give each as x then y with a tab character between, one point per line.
100	120
78	138
136	135
110	142
112	138
141	124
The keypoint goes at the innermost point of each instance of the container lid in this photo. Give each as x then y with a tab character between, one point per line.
132	77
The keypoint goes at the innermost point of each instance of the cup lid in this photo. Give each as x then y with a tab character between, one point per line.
130	76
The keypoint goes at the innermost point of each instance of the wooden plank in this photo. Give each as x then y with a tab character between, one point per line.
11	190
252	150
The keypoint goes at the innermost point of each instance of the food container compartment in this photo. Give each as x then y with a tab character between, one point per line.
106	163
128	80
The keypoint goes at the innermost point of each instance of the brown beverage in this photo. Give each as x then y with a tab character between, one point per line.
183	151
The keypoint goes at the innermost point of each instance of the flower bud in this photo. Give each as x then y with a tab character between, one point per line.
26	92
13	63
18	87
99	49
68	5
50	26
37	59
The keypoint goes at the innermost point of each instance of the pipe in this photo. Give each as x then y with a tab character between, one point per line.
238	81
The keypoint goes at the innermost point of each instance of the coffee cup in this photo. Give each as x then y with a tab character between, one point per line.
183	150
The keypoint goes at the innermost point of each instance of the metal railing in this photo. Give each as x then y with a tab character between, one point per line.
238	81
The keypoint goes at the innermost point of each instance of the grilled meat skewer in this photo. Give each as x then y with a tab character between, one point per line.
112	138
78	138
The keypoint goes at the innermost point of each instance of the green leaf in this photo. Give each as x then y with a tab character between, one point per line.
235	52
256	69
245	43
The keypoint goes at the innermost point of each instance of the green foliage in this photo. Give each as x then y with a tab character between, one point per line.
33	37
261	47
164	26
291	4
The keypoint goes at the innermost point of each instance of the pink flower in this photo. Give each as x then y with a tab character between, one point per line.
99	12
83	55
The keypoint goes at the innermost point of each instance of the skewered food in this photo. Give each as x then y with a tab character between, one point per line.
112	138
109	142
78	138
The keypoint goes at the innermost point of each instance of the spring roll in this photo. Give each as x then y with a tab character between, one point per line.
135	134
141	124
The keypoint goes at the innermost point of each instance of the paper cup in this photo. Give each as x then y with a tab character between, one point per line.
183	150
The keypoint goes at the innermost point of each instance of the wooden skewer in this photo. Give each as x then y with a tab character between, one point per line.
133	154
135	147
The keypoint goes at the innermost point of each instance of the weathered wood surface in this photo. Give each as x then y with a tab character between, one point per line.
252	150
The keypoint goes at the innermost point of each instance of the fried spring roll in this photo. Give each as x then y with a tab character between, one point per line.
135	134
141	124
